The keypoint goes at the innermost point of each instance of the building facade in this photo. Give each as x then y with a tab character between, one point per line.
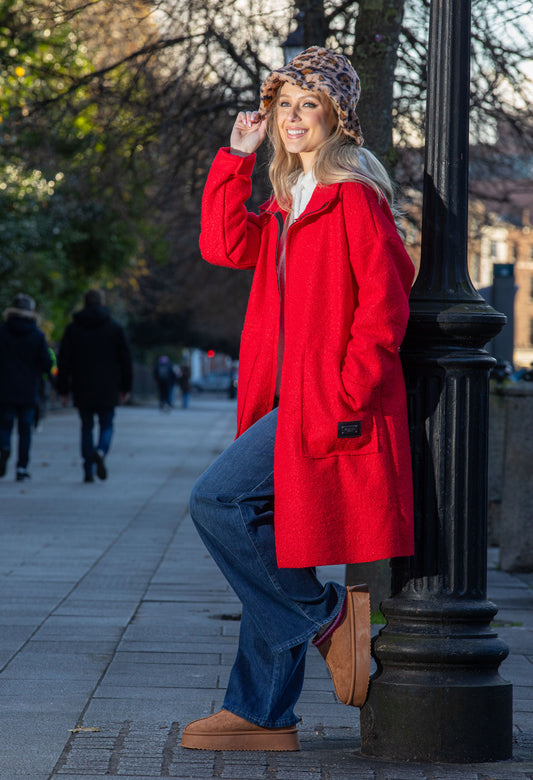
492	241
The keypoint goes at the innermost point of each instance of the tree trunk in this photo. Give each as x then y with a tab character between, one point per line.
377	37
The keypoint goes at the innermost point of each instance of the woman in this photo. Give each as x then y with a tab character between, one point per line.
322	441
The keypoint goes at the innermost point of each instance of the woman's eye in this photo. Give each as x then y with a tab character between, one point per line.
309	104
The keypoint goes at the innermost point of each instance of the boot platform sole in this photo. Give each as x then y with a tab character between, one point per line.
255	739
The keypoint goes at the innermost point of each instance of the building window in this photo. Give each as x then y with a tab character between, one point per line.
514	251
531	252
531	332
531	287
494	249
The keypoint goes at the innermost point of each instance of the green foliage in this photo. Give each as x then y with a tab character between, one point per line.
39	56
32	248
72	177
53	244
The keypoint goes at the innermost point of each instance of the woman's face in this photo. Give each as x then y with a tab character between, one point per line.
304	120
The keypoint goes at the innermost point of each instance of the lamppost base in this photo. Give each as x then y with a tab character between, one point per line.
438	721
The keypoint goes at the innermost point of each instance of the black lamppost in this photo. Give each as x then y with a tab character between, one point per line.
437	695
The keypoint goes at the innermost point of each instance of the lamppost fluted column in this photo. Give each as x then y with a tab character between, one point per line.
437	694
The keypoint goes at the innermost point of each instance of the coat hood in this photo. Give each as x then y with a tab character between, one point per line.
92	317
22	306
20	326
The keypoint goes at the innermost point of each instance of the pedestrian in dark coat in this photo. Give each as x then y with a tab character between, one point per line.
94	364
24	358
185	384
165	375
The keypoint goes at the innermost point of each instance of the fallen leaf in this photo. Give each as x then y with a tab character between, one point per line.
84	728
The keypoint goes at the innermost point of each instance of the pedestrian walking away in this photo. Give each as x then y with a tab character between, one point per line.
166	374
24	358
185	384
320	471
94	364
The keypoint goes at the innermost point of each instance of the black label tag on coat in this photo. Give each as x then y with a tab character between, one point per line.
349	430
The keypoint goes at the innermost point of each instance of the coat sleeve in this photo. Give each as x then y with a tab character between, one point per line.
383	274
230	235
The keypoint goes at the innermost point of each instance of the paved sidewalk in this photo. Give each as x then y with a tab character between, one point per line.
113	617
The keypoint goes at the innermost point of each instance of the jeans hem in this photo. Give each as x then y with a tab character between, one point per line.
309	635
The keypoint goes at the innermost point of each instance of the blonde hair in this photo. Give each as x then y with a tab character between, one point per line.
339	159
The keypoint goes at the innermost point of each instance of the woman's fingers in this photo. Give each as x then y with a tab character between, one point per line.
248	131
249	118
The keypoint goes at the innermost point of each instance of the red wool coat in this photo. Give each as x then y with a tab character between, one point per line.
342	466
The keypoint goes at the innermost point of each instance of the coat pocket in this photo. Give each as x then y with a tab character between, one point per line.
332	423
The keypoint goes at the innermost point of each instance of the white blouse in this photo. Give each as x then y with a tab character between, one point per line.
301	193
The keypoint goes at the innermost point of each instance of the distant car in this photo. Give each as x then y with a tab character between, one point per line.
502	370
523	374
216	382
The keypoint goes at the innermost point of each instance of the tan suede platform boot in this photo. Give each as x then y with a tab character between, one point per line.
347	650
226	731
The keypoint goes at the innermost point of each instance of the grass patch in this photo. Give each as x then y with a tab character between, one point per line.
506	624
377	618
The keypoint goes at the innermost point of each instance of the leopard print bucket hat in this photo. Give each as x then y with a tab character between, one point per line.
320	70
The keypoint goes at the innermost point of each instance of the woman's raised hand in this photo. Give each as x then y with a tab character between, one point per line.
248	132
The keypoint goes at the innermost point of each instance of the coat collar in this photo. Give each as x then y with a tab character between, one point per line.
321	197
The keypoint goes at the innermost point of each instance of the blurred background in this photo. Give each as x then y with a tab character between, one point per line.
112	110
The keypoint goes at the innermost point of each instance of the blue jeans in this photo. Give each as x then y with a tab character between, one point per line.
105	433
232	506
25	416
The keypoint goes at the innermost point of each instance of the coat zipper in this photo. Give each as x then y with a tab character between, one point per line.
279	220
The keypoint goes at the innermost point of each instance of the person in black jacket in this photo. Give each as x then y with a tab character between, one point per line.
24	358
94	364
